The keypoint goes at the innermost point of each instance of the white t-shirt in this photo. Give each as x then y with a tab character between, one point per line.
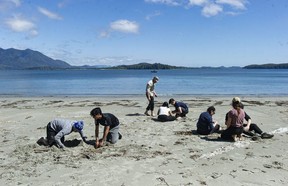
164	111
150	87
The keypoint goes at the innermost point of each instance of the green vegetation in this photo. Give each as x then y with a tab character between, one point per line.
155	66
268	66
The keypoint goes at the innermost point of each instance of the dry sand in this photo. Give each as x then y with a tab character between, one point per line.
150	152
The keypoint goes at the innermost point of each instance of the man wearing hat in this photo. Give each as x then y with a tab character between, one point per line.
58	128
150	94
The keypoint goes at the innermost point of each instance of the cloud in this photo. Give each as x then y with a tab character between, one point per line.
167	2
238	4
18	24
104	34
49	14
198	2
155	14
209	7
5	5
124	26
63	3
211	10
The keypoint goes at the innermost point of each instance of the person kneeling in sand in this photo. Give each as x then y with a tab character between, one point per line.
111	127
58	128
181	109
206	125
234	122
164	113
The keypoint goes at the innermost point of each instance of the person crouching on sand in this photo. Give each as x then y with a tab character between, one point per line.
181	109
58	128
111	127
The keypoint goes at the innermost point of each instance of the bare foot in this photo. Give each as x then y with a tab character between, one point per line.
240	137
234	138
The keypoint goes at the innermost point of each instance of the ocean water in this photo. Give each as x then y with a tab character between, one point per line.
271	82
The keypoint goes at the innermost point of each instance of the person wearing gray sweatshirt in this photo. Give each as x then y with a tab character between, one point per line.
58	128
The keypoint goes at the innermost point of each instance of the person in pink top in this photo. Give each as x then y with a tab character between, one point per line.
235	121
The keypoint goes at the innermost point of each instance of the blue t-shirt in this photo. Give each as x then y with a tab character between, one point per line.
182	105
205	122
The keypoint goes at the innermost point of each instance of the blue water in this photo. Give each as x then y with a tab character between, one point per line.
132	82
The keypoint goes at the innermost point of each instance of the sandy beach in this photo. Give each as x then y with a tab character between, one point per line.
150	152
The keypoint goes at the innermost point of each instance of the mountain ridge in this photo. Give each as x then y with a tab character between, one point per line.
14	59
24	59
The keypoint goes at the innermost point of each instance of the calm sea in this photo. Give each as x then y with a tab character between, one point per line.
132	82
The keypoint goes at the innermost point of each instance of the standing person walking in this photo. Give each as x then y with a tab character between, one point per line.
150	94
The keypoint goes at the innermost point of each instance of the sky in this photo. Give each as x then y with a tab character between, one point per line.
192	33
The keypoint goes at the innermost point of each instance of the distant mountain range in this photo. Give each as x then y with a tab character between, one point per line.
268	66
30	59
140	66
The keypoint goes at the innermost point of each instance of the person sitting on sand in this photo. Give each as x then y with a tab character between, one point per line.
150	94
251	129
164	113
58	128
181	109
234	122
111	127
206	125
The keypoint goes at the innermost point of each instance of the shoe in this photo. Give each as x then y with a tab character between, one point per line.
120	136
266	135
42	141
255	138
146	113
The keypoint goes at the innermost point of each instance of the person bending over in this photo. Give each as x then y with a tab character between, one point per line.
181	109
58	128
111	127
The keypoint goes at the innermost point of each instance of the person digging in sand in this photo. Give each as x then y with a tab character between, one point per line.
57	129
111	127
181	109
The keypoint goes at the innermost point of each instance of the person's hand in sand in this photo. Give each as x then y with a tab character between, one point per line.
84	138
97	144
